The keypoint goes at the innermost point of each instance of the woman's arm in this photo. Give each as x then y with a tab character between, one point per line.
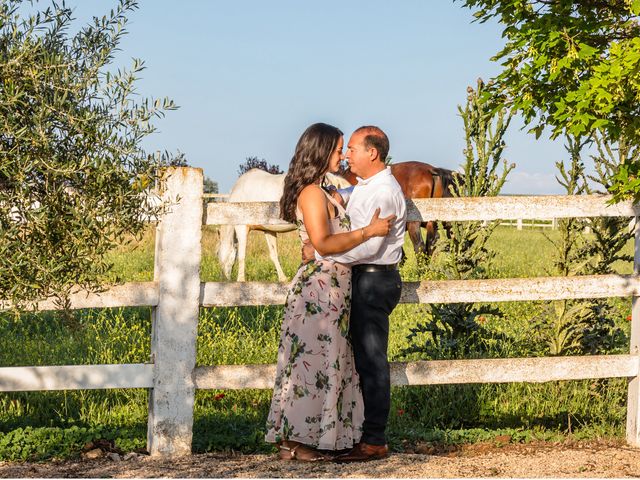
313	203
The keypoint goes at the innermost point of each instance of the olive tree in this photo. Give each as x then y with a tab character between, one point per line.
72	170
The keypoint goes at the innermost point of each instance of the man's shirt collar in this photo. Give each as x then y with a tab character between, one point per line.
381	174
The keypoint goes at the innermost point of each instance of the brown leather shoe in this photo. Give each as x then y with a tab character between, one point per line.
364	452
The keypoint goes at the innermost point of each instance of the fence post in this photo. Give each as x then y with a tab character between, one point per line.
519	224
633	398
175	318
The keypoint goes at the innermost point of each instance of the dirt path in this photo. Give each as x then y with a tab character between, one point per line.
593	459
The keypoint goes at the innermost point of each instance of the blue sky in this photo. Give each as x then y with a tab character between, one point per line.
251	75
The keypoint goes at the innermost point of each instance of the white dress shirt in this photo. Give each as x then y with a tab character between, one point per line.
381	190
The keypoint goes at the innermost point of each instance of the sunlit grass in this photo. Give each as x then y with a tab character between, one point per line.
246	335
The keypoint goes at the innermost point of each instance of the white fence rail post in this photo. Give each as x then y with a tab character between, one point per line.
633	399
175	318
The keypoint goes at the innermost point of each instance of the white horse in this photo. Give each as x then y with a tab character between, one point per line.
257	186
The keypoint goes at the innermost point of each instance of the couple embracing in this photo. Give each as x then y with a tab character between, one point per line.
332	389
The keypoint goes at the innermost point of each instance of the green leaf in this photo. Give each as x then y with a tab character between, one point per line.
586	51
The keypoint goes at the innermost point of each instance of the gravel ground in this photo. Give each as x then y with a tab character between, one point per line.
582	459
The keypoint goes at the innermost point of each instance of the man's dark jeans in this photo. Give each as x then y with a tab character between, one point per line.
374	296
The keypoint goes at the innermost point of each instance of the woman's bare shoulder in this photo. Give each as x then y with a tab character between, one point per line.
312	193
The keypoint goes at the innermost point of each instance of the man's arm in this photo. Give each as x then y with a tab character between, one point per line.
308	252
340	195
345	194
380	198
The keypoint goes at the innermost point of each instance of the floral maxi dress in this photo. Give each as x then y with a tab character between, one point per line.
317	399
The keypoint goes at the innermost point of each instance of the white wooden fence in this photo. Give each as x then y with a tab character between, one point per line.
551	223
177	293
519	223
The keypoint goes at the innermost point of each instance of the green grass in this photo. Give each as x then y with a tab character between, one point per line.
43	424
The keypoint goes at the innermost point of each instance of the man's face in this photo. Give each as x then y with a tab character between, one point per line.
358	156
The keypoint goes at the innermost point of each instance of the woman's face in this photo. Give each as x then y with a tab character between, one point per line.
336	157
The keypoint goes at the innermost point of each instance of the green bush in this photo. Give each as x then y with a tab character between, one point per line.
45	442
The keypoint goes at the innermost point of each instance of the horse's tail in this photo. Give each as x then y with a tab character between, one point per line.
227	249
449	181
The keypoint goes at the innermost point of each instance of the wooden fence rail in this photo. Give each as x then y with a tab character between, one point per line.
449	209
223	294
439	372
177	293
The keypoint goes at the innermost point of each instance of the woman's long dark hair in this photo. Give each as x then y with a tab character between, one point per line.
309	163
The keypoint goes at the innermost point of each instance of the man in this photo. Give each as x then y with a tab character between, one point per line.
376	283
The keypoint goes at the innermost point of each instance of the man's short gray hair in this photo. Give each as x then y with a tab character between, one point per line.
375	138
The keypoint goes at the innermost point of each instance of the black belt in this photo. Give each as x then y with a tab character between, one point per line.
372	267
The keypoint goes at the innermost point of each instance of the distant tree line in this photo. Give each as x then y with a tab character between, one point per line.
254	162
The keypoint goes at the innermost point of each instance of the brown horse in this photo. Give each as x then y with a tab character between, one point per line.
419	180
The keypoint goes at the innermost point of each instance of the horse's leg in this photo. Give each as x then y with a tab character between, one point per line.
431	237
226	249
403	258
272	244
448	227
416	236
242	231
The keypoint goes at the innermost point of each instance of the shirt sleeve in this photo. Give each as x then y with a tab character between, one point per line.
381	197
345	193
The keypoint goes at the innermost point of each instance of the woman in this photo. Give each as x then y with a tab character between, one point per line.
317	403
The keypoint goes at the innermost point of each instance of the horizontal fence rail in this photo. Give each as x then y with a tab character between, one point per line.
234	377
529	207
440	372
76	377
215	294
447	209
229	294
131	294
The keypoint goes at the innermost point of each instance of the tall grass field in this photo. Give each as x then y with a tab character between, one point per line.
37	425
